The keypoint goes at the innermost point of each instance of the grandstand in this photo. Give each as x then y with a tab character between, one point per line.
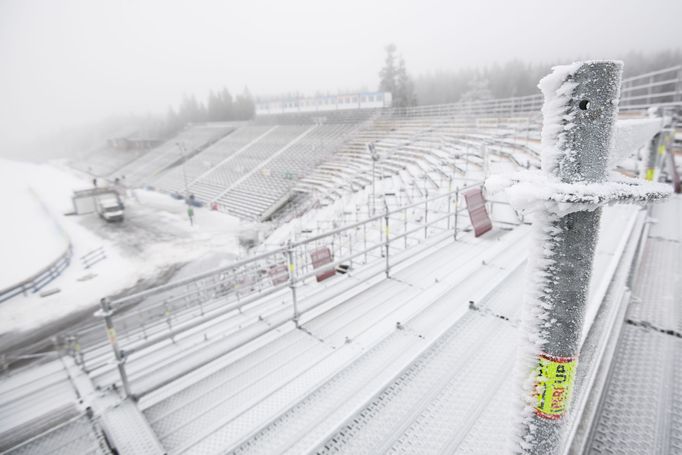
307	152
402	341
173	152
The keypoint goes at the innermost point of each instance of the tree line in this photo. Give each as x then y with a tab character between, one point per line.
393	78
220	106
516	78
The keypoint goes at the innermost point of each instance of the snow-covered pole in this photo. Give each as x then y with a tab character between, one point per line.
292	281
106	312
387	230
564	200
652	158
579	114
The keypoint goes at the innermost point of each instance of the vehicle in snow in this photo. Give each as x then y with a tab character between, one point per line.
109	208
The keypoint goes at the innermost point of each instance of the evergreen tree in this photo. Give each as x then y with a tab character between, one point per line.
405	95
214	107
479	90
387	75
173	122
226	105
244	107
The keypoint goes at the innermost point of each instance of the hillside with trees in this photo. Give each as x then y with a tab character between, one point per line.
516	78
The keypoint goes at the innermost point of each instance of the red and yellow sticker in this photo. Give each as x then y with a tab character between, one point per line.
111	334
553	385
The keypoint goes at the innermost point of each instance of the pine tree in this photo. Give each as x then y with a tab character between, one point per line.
244	106
214	107
387	75
405	95
479	90
226	105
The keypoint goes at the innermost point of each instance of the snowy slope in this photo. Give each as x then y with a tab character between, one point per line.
26	246
155	235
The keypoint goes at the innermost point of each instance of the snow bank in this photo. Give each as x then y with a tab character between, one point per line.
26	246
155	236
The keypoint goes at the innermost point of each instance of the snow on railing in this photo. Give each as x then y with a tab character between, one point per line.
384	240
41	278
658	88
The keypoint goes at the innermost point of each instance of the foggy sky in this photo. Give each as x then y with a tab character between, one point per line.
64	63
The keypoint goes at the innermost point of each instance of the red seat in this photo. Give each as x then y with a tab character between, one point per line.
477	212
320	257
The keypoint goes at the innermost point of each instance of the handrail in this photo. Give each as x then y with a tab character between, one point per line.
41	278
530	103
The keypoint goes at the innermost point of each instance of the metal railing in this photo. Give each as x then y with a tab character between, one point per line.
147	318
657	88
41	278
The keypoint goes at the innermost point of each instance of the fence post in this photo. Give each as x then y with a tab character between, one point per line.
454	235
292	280
405	228
426	212
449	200
364	239
584	99
106	312
388	230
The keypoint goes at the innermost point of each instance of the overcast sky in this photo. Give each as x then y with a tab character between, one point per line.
68	62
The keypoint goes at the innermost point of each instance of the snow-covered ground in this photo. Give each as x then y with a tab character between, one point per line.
30	239
155	235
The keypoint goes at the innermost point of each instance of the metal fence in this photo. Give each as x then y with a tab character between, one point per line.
40	279
140	321
657	88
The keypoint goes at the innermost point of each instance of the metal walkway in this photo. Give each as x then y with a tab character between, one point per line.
641	407
419	363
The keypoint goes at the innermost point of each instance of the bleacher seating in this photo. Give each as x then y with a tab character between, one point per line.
208	160
193	138
262	191
105	160
415	148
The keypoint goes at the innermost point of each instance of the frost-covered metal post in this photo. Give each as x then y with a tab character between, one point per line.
106	313
580	112
564	200
387	231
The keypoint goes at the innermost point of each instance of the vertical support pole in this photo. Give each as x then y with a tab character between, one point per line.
387	230
652	158
292	281
118	354
350	248
449	200
364	239
381	236
582	100
454	232
405	228
426	213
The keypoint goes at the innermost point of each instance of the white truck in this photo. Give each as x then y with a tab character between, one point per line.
110	208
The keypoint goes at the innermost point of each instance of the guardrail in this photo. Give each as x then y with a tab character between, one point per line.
175	308
657	88
41	278
93	257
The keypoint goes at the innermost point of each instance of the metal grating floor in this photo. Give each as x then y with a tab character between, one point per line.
641	408
76	436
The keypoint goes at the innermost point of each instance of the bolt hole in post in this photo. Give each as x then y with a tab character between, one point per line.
584	105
